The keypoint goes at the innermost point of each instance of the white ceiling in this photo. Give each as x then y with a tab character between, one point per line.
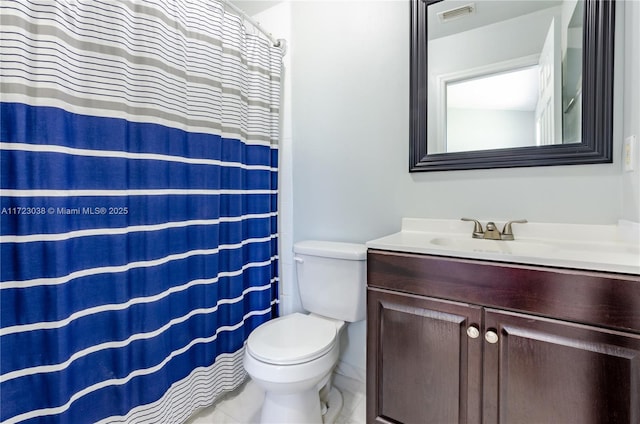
253	7
486	12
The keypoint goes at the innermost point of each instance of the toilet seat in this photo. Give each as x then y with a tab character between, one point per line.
292	339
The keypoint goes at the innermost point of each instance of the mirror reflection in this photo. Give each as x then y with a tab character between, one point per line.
504	74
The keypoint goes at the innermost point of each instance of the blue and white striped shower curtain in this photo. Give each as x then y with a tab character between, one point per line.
139	182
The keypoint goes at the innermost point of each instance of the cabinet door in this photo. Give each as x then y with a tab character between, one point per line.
422	367
548	371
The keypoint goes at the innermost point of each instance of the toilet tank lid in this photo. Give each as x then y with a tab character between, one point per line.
331	249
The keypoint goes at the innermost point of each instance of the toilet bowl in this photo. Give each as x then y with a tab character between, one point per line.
292	357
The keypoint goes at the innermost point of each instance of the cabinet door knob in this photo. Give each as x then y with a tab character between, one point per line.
491	336
473	332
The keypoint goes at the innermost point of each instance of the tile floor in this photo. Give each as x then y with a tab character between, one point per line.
243	405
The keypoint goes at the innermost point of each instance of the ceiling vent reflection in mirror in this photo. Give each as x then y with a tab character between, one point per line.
457	12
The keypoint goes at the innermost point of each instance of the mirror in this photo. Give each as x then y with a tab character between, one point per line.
507	83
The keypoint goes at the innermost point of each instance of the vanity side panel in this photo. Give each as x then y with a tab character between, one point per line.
596	298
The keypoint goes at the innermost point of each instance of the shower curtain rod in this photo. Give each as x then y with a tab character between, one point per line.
278	42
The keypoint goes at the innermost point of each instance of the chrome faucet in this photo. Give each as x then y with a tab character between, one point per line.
492	232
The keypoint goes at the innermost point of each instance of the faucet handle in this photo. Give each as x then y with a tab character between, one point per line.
478	232
507	232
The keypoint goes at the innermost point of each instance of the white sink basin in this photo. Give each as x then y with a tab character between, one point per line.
592	247
515	247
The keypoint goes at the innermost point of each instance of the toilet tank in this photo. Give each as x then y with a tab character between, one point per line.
332	278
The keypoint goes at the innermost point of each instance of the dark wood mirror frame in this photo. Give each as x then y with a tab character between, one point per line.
597	106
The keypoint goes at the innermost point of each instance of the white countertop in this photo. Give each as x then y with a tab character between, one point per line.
614	248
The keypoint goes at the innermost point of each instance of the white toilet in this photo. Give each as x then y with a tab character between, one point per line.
292	357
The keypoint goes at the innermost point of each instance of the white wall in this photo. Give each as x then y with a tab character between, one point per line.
631	180
351	118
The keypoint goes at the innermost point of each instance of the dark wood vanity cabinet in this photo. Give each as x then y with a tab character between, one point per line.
464	341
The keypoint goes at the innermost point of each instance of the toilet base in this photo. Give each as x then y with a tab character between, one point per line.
334	406
302	407
292	408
